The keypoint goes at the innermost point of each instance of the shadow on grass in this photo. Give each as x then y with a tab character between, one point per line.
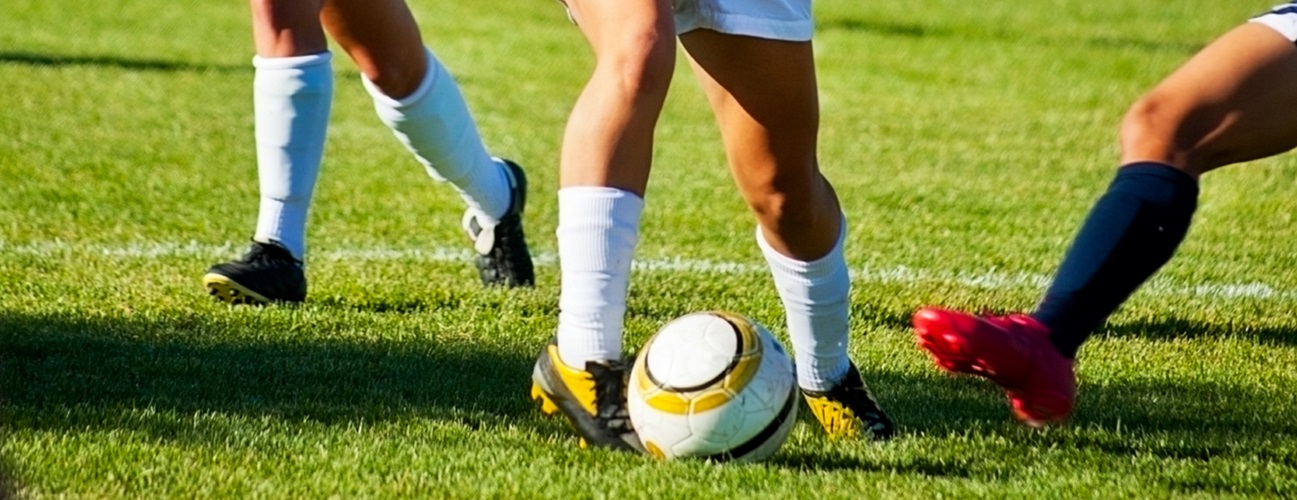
158	376
1179	329
1170	328
34	59
8	482
1190	409
1171	420
940	403
134	64
62	372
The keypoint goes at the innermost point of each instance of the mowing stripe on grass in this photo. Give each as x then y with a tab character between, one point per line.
992	279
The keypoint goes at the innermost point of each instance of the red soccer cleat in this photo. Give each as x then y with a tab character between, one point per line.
1013	351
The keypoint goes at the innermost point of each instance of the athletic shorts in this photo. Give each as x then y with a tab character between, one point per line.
1283	18
788	20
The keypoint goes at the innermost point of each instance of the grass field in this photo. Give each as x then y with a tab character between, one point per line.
966	139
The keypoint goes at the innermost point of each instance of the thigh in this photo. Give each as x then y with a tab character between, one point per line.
609	136
613	26
763	93
1234	101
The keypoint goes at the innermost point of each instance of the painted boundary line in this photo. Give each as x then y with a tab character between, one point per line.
992	279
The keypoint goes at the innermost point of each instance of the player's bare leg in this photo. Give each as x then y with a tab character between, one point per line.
604	167
282	28
382	38
292	95
608	141
1230	103
416	96
763	93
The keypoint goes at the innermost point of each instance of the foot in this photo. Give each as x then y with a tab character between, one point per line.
848	410
593	399
1013	351
502	255
267	273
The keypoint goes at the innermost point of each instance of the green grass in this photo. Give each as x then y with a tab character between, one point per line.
966	140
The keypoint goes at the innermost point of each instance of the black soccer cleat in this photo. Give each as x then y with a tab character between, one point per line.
267	273
594	399
502	255
848	409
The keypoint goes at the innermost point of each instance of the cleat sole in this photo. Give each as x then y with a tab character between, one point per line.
223	289
547	406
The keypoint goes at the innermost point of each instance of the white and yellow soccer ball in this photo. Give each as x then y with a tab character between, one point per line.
712	385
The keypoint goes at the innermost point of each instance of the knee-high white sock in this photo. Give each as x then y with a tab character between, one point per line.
435	125
598	228
815	298
291	101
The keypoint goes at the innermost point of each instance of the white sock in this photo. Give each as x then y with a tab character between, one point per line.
598	228
434	124
291	99
815	296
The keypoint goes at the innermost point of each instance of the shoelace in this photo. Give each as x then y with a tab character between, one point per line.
609	394
508	235
868	411
262	254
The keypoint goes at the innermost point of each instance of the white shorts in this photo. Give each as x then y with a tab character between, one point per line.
1283	18
788	20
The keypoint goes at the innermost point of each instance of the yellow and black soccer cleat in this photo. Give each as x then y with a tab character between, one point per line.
848	410
593	399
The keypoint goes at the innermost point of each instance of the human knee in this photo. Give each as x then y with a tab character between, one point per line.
1149	120
803	226
642	64
781	202
399	75
1159	127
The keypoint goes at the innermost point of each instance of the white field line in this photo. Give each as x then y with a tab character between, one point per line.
992	279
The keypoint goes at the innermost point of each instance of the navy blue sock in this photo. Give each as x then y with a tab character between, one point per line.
1130	233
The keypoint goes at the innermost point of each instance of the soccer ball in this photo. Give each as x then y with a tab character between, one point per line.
712	385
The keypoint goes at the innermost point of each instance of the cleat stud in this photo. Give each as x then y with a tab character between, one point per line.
547	406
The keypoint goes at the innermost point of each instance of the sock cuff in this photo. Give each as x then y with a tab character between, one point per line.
598	205
1161	171
823	267
294	62
433	74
